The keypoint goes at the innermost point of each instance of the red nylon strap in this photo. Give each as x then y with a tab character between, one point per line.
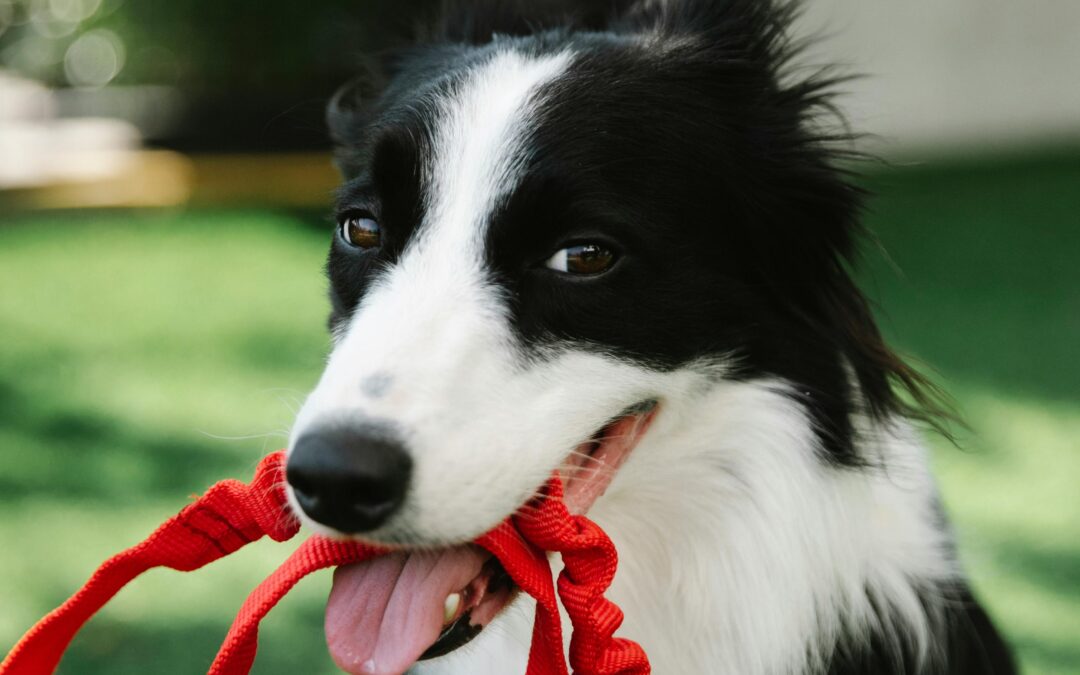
231	515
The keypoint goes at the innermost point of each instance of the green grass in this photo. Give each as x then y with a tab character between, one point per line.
142	357
145	355
982	281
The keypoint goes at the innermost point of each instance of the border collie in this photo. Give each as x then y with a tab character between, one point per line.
614	239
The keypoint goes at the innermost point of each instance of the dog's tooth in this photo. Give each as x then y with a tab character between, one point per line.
451	606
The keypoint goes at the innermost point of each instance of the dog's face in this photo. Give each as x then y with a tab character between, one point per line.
487	290
538	235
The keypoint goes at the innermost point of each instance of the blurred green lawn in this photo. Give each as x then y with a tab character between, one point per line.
144	355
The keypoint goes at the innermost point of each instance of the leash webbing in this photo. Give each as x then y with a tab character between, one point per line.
232	514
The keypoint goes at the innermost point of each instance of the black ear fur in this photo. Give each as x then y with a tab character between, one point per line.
345	118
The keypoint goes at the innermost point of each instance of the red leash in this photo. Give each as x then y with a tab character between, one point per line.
232	514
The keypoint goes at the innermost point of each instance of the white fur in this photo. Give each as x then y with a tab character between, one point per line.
742	551
435	330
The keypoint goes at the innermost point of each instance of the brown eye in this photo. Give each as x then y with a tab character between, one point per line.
582	259
361	232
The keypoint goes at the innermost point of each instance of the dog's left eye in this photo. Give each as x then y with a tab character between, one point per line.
584	259
361	231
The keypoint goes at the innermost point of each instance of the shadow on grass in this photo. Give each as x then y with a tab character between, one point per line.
1060	658
72	455
1055	570
125	648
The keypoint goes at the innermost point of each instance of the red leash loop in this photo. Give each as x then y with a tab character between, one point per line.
589	560
232	514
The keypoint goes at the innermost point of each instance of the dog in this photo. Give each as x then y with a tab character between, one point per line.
614	239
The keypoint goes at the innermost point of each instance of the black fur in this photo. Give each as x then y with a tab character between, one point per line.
697	156
699	152
968	644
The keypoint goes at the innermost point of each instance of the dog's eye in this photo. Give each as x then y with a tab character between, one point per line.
361	231
582	259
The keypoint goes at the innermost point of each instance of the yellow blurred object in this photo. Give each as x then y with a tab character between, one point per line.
290	179
159	178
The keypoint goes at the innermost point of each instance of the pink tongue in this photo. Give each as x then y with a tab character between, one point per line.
383	614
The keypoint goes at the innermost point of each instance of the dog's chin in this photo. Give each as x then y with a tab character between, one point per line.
385	614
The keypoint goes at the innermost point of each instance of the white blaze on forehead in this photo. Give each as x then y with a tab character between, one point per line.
437	290
436	333
434	313
433	318
480	148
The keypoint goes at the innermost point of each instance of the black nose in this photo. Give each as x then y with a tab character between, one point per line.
350	478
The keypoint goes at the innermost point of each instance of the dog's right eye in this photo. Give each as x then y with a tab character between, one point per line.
361	231
587	259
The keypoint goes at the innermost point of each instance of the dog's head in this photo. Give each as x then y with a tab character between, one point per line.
546	239
538	231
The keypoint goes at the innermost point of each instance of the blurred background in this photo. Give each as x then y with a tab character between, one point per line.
164	190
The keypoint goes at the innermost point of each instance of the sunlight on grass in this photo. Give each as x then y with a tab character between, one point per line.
981	281
1012	492
139	351
106	315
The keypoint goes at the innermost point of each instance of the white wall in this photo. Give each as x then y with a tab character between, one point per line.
955	75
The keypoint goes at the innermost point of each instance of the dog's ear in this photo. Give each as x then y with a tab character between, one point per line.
478	21
347	115
343	120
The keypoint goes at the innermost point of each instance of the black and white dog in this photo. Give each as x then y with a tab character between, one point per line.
614	241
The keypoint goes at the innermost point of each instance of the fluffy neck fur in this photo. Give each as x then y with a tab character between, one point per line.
742	552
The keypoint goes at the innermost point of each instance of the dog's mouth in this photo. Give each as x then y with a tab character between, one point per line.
385	614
